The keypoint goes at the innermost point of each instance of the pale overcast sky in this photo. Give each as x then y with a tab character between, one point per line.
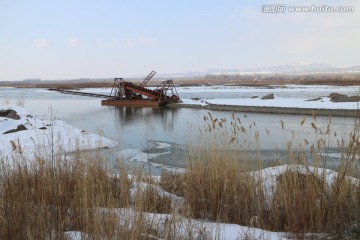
67	39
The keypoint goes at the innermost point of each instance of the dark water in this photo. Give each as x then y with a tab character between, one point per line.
269	135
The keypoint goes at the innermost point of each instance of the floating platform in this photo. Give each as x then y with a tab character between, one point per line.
133	103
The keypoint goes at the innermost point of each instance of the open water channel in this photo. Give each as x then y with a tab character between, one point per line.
161	137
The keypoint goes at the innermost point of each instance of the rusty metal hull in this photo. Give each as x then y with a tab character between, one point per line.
133	103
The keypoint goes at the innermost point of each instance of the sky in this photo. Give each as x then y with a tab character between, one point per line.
69	39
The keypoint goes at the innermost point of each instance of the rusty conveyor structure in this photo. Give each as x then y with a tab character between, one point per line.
72	92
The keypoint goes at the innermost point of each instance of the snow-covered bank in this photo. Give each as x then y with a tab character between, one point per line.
321	107
322	103
184	227
270	176
286	99
26	137
287	96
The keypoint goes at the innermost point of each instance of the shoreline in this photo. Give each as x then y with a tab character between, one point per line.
273	110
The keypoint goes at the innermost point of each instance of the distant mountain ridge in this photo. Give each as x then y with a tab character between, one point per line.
297	68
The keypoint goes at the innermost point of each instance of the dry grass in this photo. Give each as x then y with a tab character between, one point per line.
217	189
220	190
41	201
35	200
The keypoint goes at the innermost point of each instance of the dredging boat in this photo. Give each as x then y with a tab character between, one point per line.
128	94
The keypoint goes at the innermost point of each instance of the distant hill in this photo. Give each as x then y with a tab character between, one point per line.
289	69
296	68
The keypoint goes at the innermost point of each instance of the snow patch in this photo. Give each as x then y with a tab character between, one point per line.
43	137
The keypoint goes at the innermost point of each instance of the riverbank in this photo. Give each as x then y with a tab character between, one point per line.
272	110
30	138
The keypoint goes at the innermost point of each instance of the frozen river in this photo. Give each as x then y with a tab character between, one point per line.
162	135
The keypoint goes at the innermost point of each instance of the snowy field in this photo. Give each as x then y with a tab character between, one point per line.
290	96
